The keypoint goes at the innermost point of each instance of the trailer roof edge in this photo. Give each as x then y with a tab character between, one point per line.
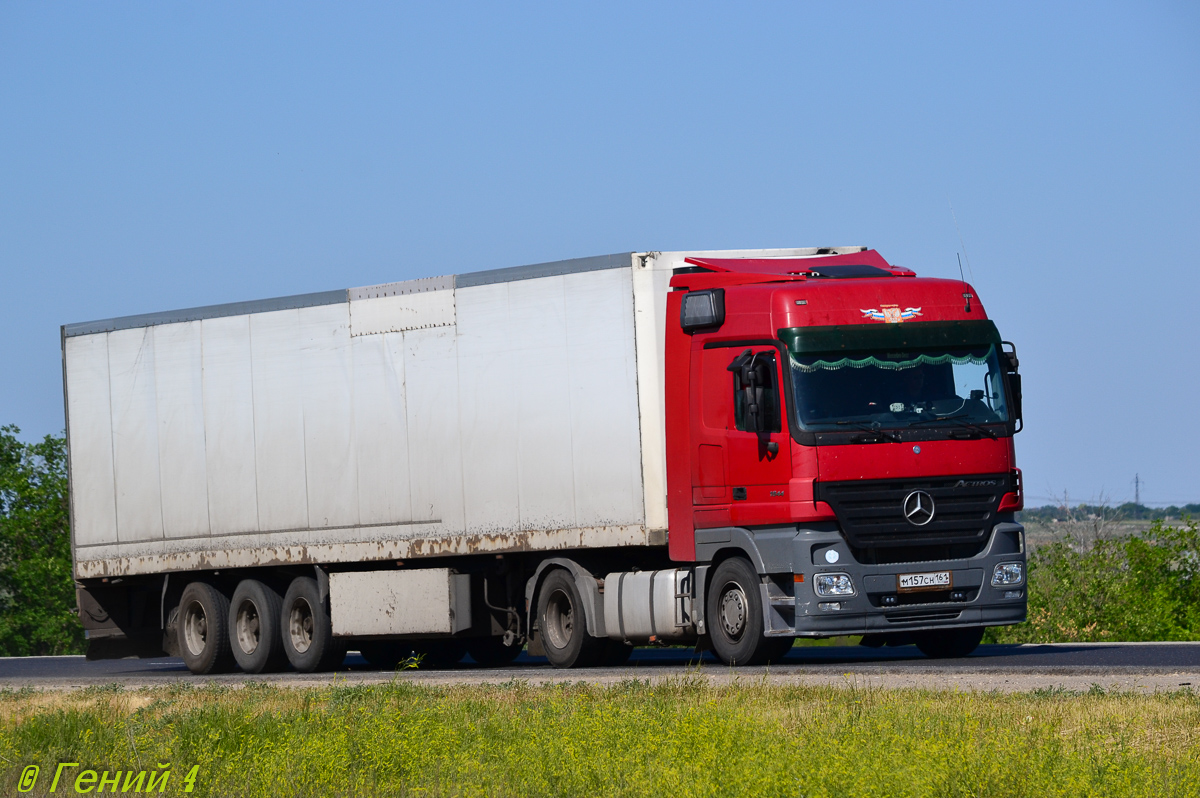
205	312
551	269
487	277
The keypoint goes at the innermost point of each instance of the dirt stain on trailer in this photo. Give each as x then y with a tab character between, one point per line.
204	558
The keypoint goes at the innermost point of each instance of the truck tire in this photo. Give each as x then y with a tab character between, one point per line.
490	652
735	615
204	629
563	625
949	643
254	634
306	630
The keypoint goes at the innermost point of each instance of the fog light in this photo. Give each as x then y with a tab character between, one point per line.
890	601
830	605
1012	593
958	595
833	585
1008	573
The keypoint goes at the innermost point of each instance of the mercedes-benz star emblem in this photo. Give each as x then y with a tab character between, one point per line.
918	508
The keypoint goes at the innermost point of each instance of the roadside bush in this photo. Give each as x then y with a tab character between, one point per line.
37	593
1126	588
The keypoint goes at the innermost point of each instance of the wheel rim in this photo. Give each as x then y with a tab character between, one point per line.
249	627
300	625
732	608
560	619
195	628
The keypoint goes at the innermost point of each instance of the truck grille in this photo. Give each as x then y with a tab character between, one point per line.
871	513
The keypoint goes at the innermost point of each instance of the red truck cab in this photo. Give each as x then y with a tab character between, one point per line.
848	427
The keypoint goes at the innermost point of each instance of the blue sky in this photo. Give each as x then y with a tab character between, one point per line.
156	156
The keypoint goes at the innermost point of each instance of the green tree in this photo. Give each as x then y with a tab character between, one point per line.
37	592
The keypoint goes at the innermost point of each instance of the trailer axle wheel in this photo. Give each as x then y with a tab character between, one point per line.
254	628
203	629
308	637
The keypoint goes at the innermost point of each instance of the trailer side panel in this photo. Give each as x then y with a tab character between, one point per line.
500	416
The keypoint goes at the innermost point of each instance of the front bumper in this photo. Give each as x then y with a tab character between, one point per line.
972	601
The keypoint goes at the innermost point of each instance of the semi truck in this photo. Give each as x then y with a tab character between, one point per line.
727	450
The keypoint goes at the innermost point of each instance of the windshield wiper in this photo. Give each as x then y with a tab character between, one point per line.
957	419
873	428
978	428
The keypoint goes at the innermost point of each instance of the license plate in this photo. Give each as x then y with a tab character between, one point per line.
937	580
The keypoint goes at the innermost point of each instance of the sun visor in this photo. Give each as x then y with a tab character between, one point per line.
877	337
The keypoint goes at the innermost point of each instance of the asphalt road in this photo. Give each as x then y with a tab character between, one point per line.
1153	666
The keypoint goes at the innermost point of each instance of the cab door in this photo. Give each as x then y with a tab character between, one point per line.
741	460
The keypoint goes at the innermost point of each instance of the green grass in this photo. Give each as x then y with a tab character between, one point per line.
682	737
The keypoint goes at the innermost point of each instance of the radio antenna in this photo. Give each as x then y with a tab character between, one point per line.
966	294
960	240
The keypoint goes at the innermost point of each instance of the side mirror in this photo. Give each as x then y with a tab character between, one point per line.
1010	362
752	381
1014	384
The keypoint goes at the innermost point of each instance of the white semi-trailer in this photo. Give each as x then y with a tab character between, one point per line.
445	465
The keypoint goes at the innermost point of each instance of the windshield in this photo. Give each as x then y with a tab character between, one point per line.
919	387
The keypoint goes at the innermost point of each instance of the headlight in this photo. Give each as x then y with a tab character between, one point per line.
1008	573
833	585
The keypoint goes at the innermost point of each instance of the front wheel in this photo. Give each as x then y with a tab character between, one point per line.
949	643
735	615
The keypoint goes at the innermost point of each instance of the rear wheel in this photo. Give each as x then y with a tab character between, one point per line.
735	615
563	625
254	628
204	629
949	643
307	632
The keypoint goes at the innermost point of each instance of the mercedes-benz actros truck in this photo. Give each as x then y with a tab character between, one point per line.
723	449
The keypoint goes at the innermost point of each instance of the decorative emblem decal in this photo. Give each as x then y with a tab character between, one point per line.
918	508
890	313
